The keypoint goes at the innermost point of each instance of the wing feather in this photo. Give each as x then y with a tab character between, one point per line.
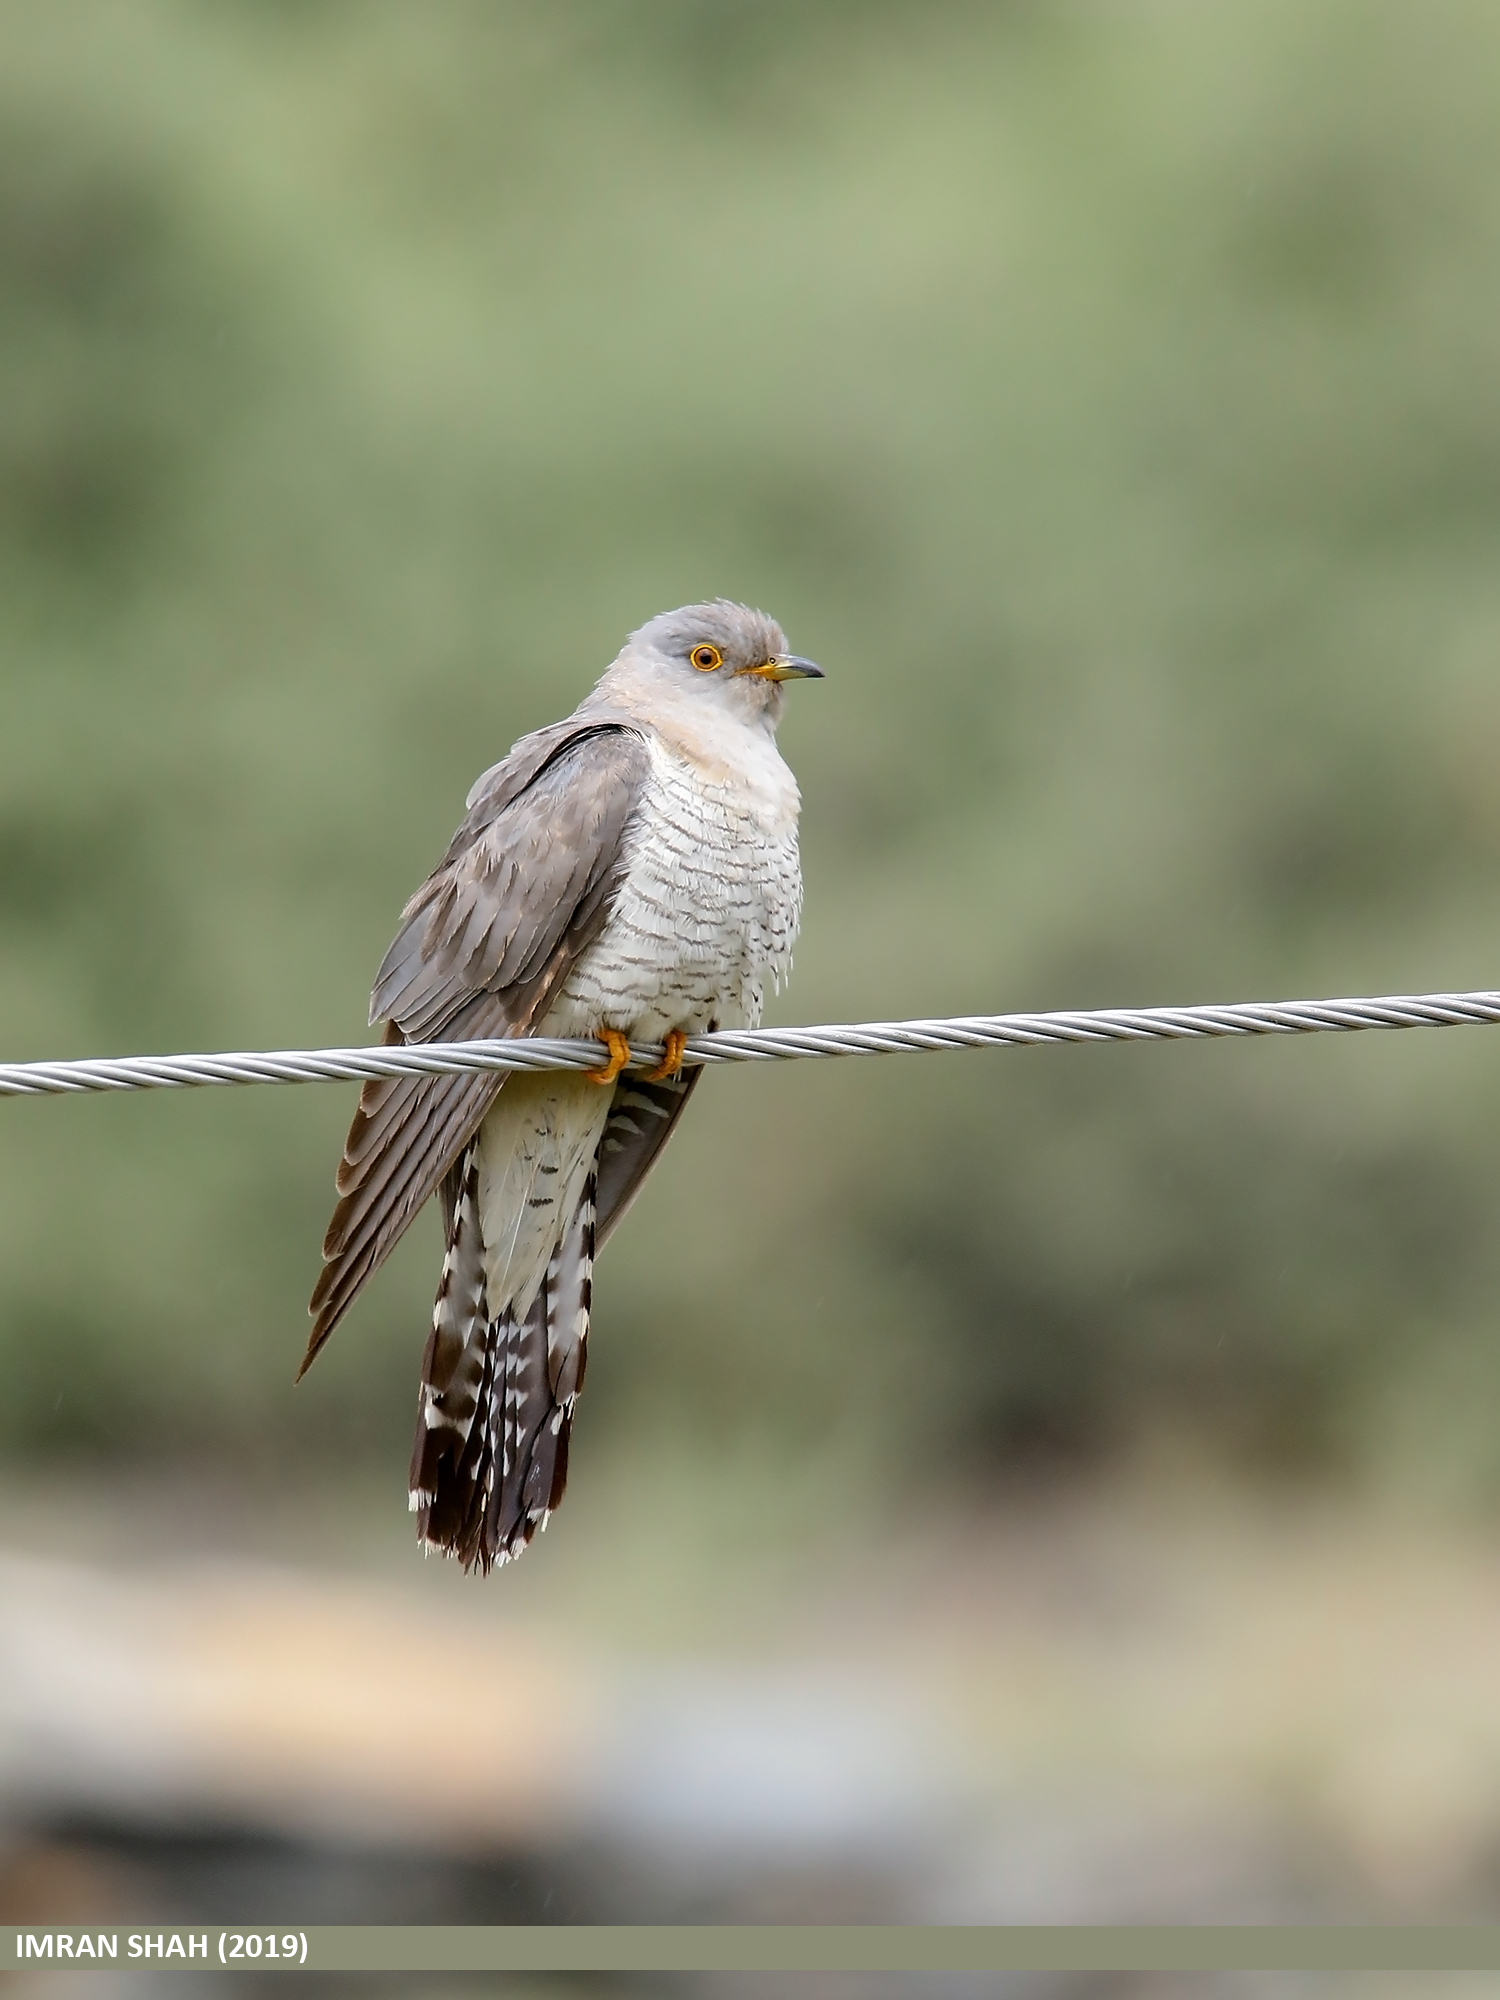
641	1117
525	886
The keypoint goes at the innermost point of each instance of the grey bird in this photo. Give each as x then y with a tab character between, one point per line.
629	874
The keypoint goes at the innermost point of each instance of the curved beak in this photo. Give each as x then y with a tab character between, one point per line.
786	667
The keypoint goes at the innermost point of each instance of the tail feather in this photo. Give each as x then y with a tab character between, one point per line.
454	1361
491	1456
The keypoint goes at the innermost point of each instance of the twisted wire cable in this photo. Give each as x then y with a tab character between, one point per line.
868	1038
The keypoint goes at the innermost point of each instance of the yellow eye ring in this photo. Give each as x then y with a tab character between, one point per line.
706	658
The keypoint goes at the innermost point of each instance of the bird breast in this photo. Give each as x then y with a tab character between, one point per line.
709	904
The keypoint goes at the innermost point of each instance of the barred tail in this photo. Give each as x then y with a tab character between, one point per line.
491	1455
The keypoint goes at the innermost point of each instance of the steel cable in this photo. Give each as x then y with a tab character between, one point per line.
867	1038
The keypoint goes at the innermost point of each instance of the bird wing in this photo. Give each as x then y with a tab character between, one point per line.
641	1115
526	885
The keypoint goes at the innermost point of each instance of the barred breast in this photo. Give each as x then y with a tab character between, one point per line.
708	911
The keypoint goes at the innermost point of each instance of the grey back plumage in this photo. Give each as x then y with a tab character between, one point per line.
524	887
531	866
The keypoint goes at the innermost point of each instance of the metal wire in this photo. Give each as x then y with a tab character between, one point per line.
869	1038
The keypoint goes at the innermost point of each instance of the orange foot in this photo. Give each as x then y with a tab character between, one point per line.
619	1055
671	1062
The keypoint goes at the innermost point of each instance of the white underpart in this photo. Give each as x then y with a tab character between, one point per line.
535	1151
708	913
706	918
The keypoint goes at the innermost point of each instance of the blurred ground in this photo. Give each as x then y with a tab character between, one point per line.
1163	1701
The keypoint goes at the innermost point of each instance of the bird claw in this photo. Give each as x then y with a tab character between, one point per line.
619	1055
671	1062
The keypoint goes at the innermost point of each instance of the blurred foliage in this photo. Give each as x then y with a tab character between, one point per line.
1110	398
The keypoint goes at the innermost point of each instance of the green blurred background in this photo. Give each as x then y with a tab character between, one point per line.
1109	397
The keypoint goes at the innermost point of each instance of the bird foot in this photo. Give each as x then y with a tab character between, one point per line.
671	1062
619	1055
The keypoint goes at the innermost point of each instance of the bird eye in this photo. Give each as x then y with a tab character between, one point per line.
706	658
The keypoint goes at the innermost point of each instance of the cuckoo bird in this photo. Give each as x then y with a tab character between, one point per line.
628	874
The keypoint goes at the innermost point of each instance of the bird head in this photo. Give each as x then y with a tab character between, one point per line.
722	653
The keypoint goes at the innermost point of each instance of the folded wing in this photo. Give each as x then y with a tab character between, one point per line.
526	886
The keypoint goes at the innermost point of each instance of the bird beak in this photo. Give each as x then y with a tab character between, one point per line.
785	667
